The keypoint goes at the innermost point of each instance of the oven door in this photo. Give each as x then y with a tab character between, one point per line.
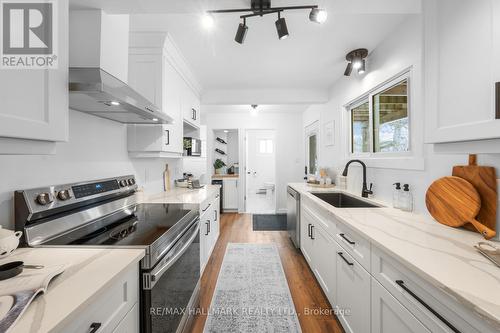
170	291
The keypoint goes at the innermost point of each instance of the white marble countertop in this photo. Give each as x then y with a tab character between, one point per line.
89	272
180	195
443	256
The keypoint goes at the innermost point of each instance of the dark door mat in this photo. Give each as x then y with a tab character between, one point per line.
269	222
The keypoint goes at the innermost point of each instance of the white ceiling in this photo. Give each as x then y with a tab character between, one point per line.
313	58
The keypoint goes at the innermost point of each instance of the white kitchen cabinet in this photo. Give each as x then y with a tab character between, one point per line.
129	324
34	102
306	221
388	315
113	308
230	188
209	228
153	76
353	293
324	267
461	52
191	109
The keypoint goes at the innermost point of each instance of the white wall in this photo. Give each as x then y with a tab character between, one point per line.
289	147
97	148
232	148
398	51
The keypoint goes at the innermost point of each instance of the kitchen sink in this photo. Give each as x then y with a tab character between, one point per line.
342	200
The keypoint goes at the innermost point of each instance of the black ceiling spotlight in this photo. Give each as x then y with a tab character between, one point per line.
241	33
264	7
281	27
356	60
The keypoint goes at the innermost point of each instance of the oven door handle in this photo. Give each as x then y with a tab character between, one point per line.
158	272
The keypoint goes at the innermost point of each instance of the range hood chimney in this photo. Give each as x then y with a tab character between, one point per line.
98	51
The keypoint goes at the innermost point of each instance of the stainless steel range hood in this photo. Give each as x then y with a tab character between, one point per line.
94	91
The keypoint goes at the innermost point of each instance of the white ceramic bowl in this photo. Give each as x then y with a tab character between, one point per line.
9	241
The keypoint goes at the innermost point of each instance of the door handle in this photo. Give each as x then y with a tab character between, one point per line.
215	217
347	239
347	261
94	327
309	230
312	235
427	306
208	228
168	137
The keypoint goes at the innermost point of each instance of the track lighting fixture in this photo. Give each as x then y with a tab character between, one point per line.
318	15
356	60
261	8
241	33
281	27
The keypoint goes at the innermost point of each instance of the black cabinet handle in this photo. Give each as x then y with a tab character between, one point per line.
208	228
312	235
421	301
215	217
94	327
204	210
341	254
309	230
347	239
168	137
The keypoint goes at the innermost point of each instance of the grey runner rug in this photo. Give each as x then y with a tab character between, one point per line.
252	293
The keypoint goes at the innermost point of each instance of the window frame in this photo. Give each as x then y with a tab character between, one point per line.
310	130
368	96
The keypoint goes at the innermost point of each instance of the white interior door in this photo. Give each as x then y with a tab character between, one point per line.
260	171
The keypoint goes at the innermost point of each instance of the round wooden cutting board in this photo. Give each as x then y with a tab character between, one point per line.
453	201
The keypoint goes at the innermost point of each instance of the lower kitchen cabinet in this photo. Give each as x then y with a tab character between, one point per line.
230	188
319	249
129	324
388	315
115	310
209	228
353	293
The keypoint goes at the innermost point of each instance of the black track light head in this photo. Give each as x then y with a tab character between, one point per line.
348	69
241	33
356	60
281	27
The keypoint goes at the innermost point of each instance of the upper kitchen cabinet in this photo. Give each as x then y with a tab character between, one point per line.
191	107
461	51
152	74
34	102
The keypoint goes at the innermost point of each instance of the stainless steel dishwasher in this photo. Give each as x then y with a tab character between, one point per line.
293	216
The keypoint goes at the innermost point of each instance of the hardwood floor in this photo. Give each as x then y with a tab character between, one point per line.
306	292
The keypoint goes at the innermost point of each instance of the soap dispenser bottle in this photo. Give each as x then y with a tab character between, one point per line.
406	199
396	195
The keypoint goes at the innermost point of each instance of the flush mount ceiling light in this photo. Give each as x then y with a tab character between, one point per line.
263	7
356	60
254	110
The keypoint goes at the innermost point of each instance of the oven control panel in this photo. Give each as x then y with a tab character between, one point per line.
47	198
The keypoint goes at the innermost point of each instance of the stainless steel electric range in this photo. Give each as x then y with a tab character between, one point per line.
104	213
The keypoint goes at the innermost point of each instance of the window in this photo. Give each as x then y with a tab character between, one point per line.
380	121
266	146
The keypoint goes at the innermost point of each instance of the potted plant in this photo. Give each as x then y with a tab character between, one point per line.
219	166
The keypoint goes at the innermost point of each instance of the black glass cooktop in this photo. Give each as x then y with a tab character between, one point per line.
142	225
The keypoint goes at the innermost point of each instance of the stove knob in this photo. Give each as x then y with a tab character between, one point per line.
44	199
131	181
64	195
123	183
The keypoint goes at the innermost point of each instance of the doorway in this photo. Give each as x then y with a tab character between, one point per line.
260	189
